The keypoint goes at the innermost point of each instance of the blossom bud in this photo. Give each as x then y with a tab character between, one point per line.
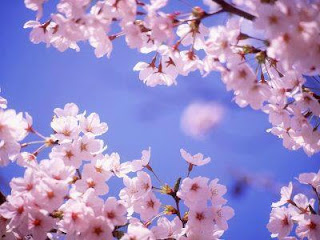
198	12
118	234
261	57
250	49
177	185
57	214
185	217
166	189
169	210
243	36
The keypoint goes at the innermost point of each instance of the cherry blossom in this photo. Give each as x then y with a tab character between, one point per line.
138	165
3	102
67	194
193	190
285	196
280	223
168	229
299	213
266	53
197	159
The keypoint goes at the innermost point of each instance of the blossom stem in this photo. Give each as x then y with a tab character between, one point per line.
173	194
231	9
147	224
30	143
151	170
37	133
177	200
294	204
36	152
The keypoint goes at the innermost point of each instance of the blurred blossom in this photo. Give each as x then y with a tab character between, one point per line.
199	118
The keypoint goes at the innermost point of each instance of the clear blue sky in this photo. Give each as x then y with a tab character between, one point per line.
37	79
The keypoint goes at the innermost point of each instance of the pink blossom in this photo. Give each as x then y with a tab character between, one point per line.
192	35
200	217
92	124
9	150
91	178
76	217
66	128
216	192
69	110
197	159
194	190
148	206
280	223
168	229
200	117
39	223
112	163
137	230
138	165
309	227
311	178
221	215
3	102
88	146
69	153
114	211
98	228
285	196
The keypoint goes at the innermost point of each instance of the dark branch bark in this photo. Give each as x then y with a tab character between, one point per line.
2	198
231	9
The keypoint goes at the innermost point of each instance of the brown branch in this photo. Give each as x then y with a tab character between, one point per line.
2	198
231	9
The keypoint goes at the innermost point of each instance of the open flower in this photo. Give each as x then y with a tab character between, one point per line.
196	159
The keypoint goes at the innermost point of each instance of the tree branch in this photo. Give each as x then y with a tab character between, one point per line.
231	9
2	198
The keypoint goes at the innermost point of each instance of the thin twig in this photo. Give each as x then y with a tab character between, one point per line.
231	9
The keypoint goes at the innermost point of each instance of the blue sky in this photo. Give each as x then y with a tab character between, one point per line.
37	79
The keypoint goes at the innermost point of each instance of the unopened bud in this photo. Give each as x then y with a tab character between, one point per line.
261	57
250	49
243	36
177	185
57	214
169	210
198	12
118	234
166	189
185	217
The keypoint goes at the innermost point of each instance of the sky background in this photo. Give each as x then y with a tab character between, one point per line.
37	79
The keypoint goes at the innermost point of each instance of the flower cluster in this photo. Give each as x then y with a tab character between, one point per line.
298	211
67	194
279	39
13	129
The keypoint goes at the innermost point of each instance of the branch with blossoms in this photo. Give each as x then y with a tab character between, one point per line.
267	53
298	211
66	193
